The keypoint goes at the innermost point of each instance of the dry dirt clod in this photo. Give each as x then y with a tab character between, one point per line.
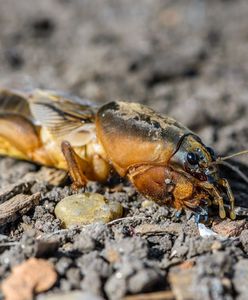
51	176
112	255
240	279
32	276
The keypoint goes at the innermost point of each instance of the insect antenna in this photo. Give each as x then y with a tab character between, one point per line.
233	155
233	168
222	161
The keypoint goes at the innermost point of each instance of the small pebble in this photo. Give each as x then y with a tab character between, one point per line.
87	208
147	203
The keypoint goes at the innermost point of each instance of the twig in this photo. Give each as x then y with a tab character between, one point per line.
163	295
61	231
125	219
148	229
49	235
64	231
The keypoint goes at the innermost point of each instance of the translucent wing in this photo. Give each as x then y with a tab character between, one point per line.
66	117
14	102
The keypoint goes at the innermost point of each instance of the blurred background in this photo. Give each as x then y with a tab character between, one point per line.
188	59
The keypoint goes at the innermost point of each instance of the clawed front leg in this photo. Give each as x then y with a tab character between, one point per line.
223	182
217	196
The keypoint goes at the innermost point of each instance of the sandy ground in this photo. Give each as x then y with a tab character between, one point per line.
187	59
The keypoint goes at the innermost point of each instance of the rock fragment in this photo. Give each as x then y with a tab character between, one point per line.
32	276
181	282
228	228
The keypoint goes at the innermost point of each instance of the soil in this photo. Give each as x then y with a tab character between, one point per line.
187	59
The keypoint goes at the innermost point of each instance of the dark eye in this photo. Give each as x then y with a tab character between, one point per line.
211	152
192	158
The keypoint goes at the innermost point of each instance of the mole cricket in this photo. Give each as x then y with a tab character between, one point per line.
163	159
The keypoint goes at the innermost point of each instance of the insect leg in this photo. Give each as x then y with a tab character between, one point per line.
226	184
199	206
178	213
77	166
222	212
201	216
151	181
209	187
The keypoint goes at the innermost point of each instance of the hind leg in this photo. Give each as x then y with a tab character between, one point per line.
82	170
78	168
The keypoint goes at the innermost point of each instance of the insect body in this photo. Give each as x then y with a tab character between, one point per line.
164	160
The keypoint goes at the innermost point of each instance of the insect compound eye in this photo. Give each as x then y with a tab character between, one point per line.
211	152
193	158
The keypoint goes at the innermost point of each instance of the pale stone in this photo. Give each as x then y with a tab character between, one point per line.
87	208
147	203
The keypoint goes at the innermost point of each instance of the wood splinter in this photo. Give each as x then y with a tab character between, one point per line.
16	206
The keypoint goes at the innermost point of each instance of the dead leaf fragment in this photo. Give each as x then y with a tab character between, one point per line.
32	276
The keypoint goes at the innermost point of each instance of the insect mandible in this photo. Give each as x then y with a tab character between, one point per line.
163	159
